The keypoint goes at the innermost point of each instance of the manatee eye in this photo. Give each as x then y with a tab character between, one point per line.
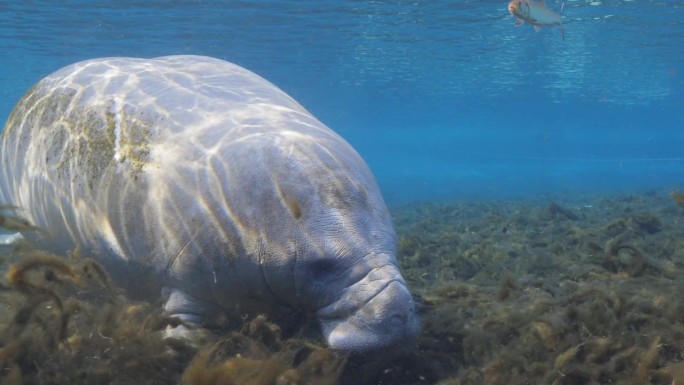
321	269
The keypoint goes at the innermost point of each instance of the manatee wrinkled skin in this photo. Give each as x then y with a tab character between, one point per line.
193	176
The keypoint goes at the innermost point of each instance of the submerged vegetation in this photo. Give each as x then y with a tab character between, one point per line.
563	292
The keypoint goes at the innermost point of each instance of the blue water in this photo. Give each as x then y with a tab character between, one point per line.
444	99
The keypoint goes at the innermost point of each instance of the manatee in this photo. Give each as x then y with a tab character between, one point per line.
196	178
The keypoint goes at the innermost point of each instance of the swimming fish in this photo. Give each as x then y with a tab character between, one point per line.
535	13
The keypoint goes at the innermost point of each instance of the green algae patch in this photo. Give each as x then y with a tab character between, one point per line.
91	147
26	99
134	146
81	144
108	142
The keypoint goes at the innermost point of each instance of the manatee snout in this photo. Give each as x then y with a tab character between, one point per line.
374	313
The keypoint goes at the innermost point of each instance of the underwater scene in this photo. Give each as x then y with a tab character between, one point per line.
373	192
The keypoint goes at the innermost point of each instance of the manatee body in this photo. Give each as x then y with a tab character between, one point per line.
193	176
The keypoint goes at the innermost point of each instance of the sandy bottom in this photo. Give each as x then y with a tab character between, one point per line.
583	290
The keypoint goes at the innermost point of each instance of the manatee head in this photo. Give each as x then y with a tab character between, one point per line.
328	221
340	265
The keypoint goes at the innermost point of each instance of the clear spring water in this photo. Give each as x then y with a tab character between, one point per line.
444	99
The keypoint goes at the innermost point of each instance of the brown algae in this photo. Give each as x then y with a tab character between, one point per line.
508	293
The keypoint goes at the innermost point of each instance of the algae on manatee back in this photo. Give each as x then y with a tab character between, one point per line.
83	139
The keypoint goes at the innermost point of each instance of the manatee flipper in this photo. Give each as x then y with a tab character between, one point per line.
188	308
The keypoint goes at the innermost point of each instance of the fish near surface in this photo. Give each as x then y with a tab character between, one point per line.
196	178
535	13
